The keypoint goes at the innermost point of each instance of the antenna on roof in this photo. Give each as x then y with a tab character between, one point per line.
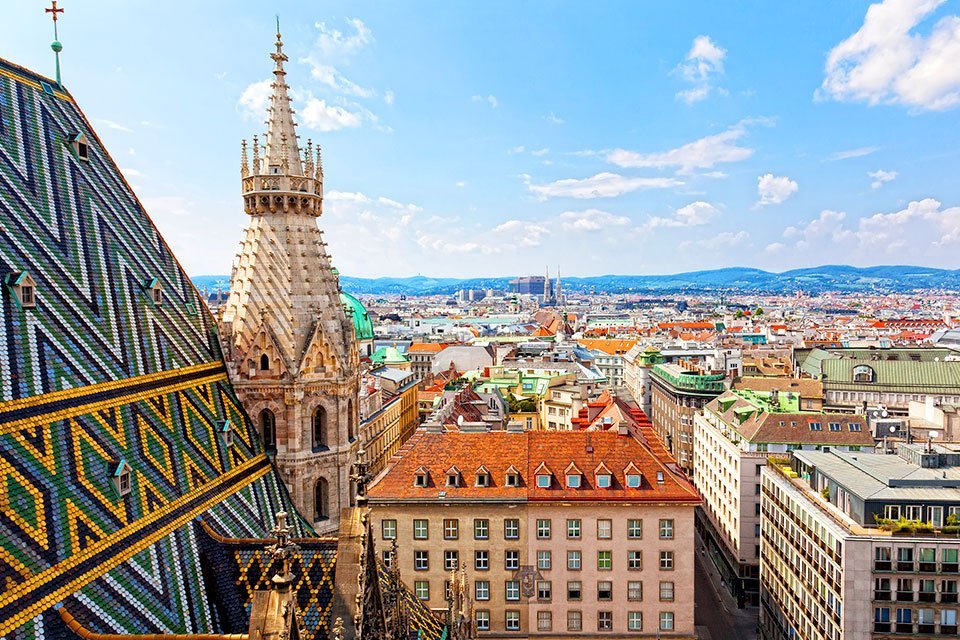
53	10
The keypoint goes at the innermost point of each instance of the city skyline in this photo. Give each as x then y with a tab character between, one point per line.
492	139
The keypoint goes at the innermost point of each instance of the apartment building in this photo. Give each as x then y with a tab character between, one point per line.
838	562
733	439
562	534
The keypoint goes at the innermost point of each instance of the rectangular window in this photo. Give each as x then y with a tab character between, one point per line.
421	529
422	589
421	560
389	529
387	557
913	511
481	590
451	529
892	512
511	590
543	529
574	620
481	529
948	556
482	616
511	560
481	560
573	529
635	529
604	620
451	560
604	560
573	560
634	591
666	560
574	590
634	560
634	621
544	590
666	621
604	590
512	620
666	591
544	621
544	560
511	529
666	529
604	529
543	481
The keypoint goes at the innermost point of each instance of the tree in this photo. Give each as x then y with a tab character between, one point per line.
758	312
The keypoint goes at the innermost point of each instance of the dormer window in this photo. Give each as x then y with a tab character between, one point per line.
453	477
574	476
863	373
512	477
604	477
226	430
483	477
421	478
81	148
633	480
24	289
120	478
660	477
543	480
154	290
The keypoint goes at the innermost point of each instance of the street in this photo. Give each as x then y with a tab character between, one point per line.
716	609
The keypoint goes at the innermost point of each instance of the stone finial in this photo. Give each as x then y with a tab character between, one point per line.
256	155
282	549
244	167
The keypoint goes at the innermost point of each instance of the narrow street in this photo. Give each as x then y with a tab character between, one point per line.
716	610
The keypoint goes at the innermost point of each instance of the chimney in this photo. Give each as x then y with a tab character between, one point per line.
622	429
775	399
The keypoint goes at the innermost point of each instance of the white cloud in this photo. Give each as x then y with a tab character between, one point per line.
774	189
826	227
489	99
164	206
553	119
255	99
388	96
333	44
346	196
694	214
460	183
322	116
522	233
517	149
330	76
859	152
393	204
880	177
923	224
591	220
887	62
116	126
703	63
724	240
130	172
602	185
699	154
539	152
774	248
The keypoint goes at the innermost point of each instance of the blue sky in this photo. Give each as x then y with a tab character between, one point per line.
469	139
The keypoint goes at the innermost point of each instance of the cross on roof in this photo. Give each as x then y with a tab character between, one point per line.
53	10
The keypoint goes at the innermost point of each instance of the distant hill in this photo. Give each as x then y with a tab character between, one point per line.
733	279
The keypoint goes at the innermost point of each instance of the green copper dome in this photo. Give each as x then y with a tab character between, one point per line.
362	325
388	356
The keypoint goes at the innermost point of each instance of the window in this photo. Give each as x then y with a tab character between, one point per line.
512	620
511	529
24	289
666	621
666	591
320	428
451	560
634	560
543	481
604	620
660	477
422	589
816	426
512	478
453	479
574	620
451	529
268	430
666	560
634	591
544	620
481	590
483	479
635	529
481	529
80	146
544	590
387	557
633	480
604	481
421	479
511	590
666	529
604	560
892	512
855	426
573	480
574	590
881	614
935	516
389	529
634	621
121	478
481	560
604	529
420	529
834	426
482	616
948	617
511	560
573	560
904	616
421	560
544	560
573	529
948	556
862	373
604	590
543	529
913	511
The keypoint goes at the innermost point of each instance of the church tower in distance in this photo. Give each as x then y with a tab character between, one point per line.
287	338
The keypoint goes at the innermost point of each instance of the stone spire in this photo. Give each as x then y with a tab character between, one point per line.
282	150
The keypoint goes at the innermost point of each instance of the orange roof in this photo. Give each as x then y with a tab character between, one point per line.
528	451
610	347
426	347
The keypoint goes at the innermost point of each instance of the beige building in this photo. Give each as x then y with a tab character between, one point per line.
733	439
562	402
563	534
388	414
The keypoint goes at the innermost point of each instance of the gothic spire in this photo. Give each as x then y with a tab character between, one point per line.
281	129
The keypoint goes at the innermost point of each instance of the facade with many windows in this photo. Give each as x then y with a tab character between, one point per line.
562	534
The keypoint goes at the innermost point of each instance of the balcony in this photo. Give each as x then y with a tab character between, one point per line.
903	627
948	598
882	565
881	595
926	596
881	627
905	596
949	567
907	567
928	567
948	629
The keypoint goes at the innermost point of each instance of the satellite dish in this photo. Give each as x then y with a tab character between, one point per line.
884	413
934	435
459	420
893	428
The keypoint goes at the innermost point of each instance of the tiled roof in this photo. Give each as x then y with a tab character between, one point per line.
610	347
528	451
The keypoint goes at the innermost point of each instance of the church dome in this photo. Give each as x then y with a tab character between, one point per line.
362	325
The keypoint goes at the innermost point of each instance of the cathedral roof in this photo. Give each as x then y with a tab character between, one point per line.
362	325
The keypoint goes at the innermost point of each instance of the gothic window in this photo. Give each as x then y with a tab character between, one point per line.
321	509
268	430
264	362
351	422
320	428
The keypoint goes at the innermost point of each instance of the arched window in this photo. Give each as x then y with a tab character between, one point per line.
321	509
351	422
264	363
320	428
268	430
862	373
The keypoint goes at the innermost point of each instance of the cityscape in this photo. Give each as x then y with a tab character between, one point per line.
717	401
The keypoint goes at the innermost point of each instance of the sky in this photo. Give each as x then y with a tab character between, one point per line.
497	138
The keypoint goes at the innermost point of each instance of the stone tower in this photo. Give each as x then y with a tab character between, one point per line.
288	340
